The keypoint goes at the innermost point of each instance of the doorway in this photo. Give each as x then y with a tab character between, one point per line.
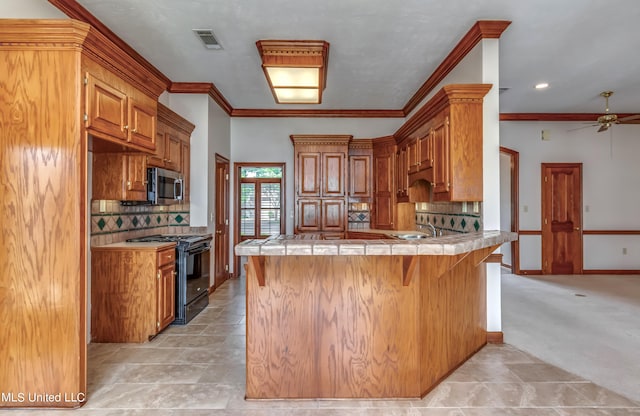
259	201
509	203
561	218
221	236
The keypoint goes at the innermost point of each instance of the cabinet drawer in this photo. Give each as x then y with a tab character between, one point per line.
166	257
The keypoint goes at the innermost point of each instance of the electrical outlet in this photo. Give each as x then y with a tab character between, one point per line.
525	208
464	206
103	205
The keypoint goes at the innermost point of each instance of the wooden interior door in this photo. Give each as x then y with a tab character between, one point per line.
221	237
562	218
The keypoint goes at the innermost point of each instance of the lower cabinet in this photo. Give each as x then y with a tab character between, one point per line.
132	291
321	215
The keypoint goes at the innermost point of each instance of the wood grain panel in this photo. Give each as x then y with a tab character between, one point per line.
43	232
334	326
452	317
123	294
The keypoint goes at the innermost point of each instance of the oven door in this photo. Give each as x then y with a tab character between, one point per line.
198	259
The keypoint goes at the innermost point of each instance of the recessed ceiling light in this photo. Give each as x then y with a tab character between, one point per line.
542	85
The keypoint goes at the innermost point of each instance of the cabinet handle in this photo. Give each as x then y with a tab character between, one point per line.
158	274
126	127
157	324
134	130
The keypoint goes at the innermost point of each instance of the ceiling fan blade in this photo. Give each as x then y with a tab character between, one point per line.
629	118
604	127
584	127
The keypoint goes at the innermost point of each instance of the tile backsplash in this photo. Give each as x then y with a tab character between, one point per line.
359	216
115	222
450	217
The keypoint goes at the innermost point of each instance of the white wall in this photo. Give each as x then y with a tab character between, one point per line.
611	194
211	136
29	9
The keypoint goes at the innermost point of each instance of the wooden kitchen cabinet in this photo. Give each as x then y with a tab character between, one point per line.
43	65
119	176
384	195
448	134
116	112
402	172
132	291
320	182
173	145
360	170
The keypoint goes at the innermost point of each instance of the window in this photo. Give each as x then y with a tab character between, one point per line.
261	200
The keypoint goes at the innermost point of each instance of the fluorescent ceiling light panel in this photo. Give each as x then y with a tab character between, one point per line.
295	69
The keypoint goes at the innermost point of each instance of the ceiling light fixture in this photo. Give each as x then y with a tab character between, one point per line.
296	70
542	85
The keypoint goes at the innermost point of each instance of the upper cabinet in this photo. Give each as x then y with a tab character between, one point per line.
117	112
320	183
443	145
360	170
172	141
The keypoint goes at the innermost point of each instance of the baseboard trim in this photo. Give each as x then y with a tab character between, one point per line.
495	337
530	272
604	271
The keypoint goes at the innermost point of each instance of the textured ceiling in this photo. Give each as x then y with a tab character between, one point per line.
381	52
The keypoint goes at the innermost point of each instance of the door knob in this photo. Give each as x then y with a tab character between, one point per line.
577	228
219	232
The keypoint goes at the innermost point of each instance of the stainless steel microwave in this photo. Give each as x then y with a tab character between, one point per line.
164	187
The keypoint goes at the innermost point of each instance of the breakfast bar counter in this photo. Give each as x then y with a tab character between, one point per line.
377	318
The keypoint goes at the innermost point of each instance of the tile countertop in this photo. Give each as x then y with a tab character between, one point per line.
287	245
148	245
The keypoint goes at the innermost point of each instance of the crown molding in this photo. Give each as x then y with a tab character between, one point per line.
593	117
75	11
453	93
482	29
249	112
321	139
171	118
202	88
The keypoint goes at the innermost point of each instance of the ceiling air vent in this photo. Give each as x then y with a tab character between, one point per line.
208	38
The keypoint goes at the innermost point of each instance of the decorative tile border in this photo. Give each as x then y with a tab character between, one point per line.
122	219
448	217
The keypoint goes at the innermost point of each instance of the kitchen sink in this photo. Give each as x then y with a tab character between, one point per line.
412	236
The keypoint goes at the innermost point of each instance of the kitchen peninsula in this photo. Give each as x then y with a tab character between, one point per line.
363	318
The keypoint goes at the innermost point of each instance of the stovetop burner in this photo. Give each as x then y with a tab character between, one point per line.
188	238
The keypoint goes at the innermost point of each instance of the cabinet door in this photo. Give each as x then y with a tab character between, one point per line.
185	168
413	156
333	172
402	174
157	159
360	176
308	175
136	186
383	201
383	217
172	153
309	215
425	151
440	133
333	215
107	110
142	125
166	311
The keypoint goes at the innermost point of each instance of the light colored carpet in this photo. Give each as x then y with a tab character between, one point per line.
588	325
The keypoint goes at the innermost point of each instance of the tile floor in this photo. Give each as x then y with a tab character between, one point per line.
198	369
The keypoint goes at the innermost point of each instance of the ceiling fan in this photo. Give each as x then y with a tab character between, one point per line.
608	119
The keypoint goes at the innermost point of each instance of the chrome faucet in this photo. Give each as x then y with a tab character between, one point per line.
434	232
